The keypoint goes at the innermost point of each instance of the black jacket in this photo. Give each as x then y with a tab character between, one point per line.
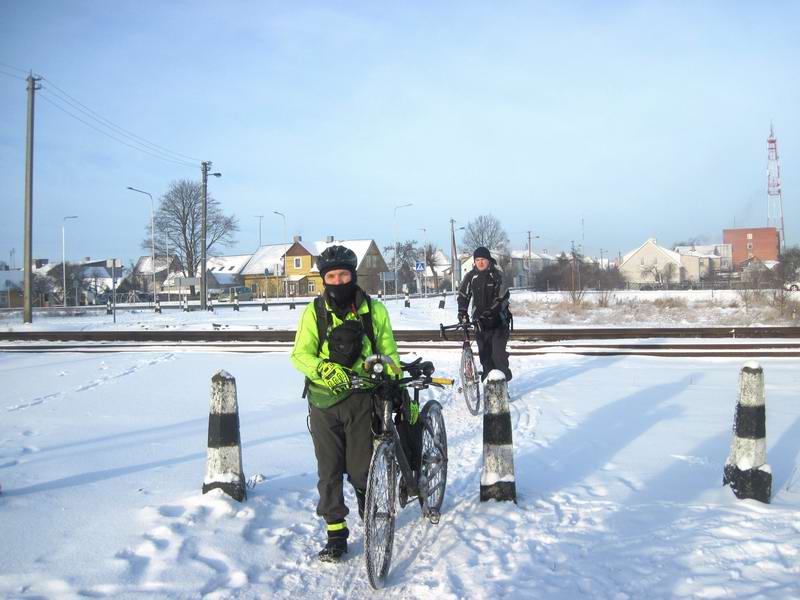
488	293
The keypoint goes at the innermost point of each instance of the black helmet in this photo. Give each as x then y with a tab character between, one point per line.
337	257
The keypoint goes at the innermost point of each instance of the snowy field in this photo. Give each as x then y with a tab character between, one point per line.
701	308
618	462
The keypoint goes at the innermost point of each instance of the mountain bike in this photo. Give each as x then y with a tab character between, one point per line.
470	377
390	460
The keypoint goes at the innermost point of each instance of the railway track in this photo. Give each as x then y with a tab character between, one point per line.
751	342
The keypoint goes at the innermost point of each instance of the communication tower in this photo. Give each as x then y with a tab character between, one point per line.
774	197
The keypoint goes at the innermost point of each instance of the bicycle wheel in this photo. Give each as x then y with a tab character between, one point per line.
434	454
470	381
379	513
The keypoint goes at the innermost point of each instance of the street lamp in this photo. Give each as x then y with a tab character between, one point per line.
275	212
260	218
152	238
424	260
205	167
396	208
64	256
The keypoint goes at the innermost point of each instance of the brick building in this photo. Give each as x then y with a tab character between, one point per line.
762	243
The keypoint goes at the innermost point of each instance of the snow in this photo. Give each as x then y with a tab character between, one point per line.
267	257
618	468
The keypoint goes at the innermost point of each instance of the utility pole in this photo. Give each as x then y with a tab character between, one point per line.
453	257
27	254
205	167
572	270
530	263
259	217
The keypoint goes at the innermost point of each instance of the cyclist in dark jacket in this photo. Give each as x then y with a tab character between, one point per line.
484	286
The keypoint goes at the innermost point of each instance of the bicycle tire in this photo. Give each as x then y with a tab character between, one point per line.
434	453
470	381
379	513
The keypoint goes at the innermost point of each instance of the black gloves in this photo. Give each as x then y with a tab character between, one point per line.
463	317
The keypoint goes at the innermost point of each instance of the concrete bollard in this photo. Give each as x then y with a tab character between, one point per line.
185	303
108	307
441	302
210	305
224	462
236	303
265	306
408	301
746	470
380	294
158	306
497	472
291	305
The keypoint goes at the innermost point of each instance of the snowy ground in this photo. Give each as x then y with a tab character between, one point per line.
618	461
702	308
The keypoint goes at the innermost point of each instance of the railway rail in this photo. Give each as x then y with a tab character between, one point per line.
744	342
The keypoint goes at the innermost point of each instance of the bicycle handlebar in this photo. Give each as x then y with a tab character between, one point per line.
467	325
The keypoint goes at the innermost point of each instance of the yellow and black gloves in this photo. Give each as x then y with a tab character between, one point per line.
334	376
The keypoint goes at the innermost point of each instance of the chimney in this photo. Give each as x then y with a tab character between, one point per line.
298	238
328	239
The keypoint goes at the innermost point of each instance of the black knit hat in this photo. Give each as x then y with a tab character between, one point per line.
337	257
482	252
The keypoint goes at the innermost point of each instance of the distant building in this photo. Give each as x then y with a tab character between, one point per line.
762	243
651	264
713	258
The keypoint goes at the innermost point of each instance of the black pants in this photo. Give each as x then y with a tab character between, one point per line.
342	437
492	350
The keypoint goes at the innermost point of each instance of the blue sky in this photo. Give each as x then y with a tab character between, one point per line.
641	119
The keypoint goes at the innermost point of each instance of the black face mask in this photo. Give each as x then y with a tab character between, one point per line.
342	294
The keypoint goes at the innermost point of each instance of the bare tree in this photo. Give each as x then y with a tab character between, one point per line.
433	259
485	231
76	285
178	222
407	255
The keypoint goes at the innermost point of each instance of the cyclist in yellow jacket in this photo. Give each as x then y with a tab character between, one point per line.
335	334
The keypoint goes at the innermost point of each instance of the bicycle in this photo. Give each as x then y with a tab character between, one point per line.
388	457
470	377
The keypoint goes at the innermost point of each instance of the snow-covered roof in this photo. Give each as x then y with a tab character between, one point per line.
145	264
523	254
296	277
267	257
672	255
228	264
696	253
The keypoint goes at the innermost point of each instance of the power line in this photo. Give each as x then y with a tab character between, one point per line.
11	75
105	133
78	105
13	68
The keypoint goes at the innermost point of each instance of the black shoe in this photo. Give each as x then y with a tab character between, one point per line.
361	498
333	550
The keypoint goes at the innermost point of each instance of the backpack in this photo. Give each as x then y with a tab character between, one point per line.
323	320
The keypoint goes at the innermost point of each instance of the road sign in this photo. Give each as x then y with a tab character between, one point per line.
420	266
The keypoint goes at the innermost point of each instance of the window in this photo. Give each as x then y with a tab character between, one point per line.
749	236
311	287
292	289
297	262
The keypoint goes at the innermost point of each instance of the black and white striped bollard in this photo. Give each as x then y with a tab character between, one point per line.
224	462
265	306
108	307
441	302
158	306
236	303
746	469
408	301
291	304
210	304
497	473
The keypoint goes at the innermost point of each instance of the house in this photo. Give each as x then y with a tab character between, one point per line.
525	265
651	264
437	272
762	243
264	272
713	258
140	277
301	275
224	272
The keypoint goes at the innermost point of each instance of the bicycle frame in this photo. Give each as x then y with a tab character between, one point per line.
382	386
